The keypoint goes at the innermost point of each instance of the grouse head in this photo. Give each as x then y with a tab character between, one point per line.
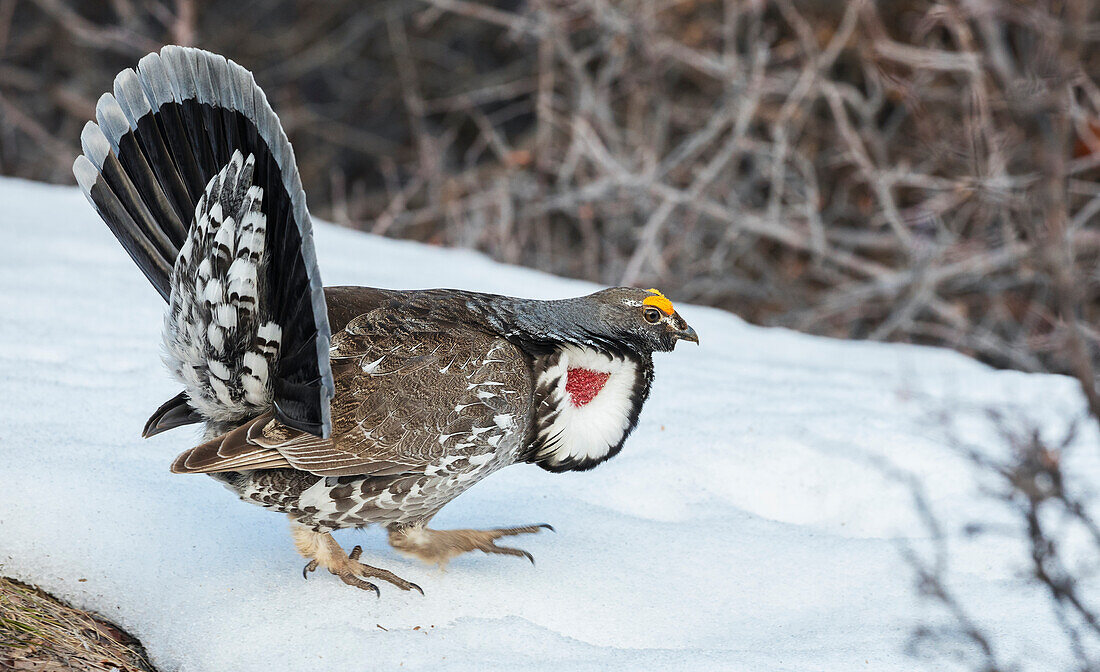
641	320
593	367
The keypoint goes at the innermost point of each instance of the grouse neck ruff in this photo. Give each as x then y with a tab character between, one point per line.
588	403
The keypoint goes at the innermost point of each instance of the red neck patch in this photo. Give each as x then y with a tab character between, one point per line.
584	384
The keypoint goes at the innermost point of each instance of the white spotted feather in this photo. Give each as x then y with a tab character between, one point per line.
218	340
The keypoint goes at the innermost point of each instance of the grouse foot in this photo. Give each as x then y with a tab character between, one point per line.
323	551
439	546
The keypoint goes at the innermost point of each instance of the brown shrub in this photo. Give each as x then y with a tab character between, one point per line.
898	170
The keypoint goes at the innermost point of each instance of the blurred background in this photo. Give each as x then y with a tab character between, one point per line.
900	170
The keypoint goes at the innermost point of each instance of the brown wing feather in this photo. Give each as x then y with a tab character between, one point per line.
230	452
407	391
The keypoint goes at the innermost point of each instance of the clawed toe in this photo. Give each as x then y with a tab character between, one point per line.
383	574
526	529
352	574
511	531
353	580
389	577
507	550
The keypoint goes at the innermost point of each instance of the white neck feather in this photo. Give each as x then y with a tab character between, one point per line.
585	435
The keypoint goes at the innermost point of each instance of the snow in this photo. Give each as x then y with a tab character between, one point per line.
753	521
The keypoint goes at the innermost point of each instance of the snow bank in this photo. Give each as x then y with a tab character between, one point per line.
752	522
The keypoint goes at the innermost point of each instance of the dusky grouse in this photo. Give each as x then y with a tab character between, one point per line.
341	406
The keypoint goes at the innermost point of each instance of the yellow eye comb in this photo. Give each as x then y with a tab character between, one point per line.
659	300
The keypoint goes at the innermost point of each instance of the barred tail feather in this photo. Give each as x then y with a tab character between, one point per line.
220	340
191	170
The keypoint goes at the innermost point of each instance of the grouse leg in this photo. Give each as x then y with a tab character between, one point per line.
323	551
439	546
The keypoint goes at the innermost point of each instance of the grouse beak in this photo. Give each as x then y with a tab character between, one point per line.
688	334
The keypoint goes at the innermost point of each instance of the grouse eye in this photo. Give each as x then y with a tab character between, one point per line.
652	315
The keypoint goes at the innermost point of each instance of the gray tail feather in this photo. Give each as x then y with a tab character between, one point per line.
171	127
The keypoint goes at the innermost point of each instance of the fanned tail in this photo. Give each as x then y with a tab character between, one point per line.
192	172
